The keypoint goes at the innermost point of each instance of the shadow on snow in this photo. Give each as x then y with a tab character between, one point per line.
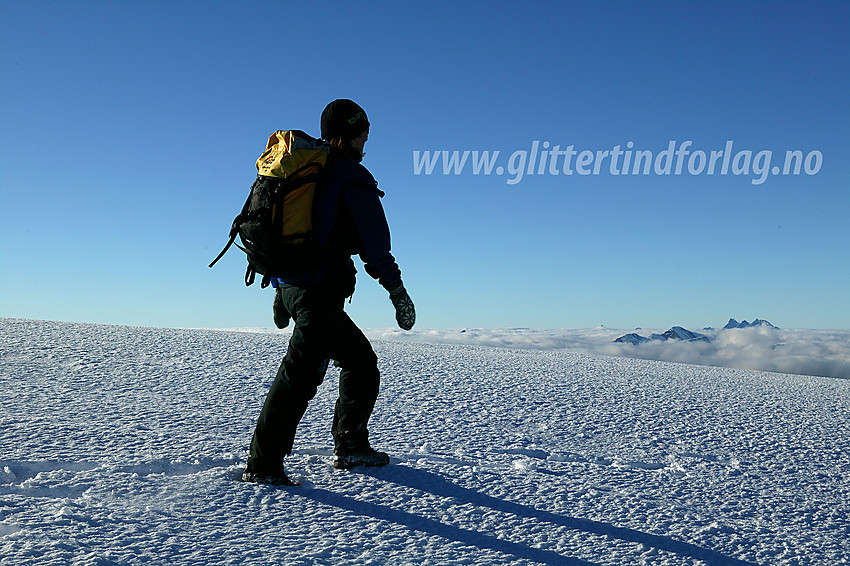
436	484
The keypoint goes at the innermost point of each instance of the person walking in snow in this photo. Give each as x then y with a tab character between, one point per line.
348	219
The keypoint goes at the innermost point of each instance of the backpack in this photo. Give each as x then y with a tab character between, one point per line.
276	222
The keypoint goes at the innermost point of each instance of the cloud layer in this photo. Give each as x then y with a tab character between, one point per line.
805	352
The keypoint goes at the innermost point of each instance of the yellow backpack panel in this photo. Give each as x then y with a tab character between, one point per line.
276	222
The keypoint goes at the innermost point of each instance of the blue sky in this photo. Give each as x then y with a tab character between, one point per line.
130	129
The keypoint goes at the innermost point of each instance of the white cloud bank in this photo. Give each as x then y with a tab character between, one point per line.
823	353
805	352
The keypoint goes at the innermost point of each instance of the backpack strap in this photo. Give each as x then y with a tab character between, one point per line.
250	275
226	247
234	228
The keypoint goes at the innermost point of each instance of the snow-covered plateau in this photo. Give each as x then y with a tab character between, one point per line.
123	445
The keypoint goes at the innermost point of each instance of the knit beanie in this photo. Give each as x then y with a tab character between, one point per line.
343	118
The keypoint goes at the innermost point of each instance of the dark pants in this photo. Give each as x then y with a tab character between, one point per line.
322	332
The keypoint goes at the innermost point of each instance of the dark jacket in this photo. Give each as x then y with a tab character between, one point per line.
348	219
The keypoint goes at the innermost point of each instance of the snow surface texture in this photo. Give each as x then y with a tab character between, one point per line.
122	445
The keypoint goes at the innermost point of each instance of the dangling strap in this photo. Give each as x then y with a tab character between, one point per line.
234	228
226	247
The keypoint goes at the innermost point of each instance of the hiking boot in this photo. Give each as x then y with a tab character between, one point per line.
345	460
278	478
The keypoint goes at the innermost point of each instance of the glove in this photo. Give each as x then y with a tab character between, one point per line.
281	315
405	314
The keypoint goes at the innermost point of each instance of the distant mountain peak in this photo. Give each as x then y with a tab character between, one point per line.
744	324
679	333
631	338
683	334
675	333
